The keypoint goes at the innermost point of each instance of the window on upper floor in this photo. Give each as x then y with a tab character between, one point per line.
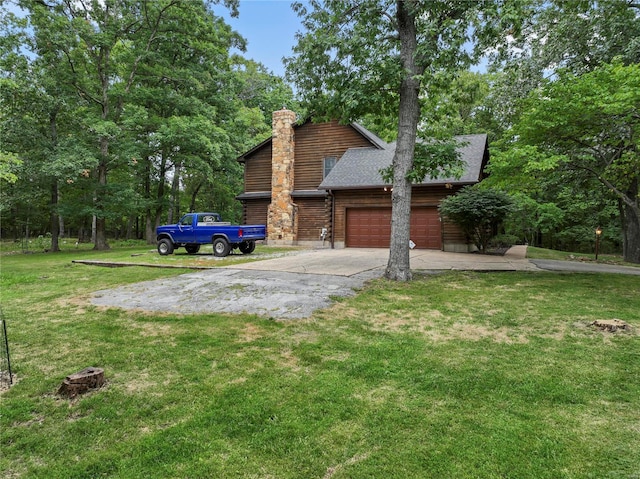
329	163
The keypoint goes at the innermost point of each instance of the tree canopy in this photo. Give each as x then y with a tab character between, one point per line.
126	110
116	115
590	124
554	103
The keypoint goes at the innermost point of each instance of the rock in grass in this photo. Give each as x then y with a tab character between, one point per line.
611	325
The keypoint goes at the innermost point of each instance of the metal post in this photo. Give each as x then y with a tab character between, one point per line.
6	345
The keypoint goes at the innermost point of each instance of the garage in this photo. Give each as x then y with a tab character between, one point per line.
371	227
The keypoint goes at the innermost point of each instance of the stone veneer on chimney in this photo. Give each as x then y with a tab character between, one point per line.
281	218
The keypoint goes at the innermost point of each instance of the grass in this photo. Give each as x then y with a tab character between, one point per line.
139	252
457	375
543	253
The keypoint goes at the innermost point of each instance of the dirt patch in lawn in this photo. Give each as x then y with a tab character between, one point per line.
250	333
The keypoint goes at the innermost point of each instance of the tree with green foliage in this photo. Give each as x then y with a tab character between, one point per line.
143	93
105	50
576	37
382	57
8	161
573	35
530	219
555	208
478	212
590	124
37	126
464	106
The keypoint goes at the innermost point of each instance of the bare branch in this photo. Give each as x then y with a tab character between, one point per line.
620	194
151	39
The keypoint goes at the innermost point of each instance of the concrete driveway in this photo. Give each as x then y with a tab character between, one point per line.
291	286
296	285
371	262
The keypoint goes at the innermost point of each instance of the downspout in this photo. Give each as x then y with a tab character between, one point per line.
333	218
294	225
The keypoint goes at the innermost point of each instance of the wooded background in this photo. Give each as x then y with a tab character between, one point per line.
120	115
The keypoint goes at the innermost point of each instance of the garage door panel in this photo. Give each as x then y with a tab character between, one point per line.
425	228
368	227
371	228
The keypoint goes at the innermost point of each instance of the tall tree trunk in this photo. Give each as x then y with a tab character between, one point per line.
62	231
631	226
194	195
131	221
94	223
53	208
148	225
398	266
149	228
100	240
174	209
55	220
155	220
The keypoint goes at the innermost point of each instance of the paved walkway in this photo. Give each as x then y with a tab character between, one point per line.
578	267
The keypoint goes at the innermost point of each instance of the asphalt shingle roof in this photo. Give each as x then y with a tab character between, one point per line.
360	167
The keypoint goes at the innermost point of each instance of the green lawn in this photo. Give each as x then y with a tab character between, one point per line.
542	253
455	375
141	253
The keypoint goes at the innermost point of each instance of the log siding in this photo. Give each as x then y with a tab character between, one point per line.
313	142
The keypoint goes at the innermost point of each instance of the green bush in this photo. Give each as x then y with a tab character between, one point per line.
42	242
503	241
478	213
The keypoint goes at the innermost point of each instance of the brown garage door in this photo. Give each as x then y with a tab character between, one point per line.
368	227
371	228
425	228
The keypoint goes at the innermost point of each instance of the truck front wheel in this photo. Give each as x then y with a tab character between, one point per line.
247	247
220	247
165	246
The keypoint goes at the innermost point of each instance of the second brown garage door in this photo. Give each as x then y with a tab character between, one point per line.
371	228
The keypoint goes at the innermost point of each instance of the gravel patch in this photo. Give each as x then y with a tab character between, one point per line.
265	293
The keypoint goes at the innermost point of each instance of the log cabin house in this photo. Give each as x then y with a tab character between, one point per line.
319	184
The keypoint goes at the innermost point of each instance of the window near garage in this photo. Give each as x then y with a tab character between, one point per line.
329	163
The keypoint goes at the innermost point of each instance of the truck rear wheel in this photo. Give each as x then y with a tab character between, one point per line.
247	247
165	247
220	247
192	248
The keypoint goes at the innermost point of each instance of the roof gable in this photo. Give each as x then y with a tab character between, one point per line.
360	167
374	140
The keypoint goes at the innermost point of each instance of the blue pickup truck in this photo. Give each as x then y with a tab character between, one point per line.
195	229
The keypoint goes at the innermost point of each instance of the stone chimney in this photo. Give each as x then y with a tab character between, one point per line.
281	218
